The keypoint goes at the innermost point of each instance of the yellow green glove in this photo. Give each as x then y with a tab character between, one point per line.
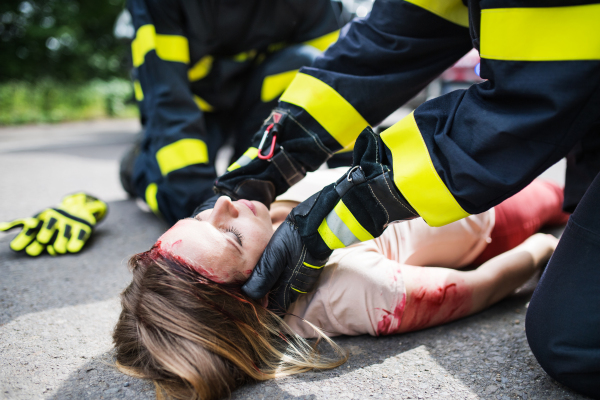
58	230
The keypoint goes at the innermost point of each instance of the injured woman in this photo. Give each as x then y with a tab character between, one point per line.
186	324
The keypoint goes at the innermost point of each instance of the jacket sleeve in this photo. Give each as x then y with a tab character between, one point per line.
466	151
175	132
377	64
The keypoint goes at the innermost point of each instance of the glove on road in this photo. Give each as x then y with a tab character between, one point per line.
58	230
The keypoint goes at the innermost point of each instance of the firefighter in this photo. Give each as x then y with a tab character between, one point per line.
205	72
455	155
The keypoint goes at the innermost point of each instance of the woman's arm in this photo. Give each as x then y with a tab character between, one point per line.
438	295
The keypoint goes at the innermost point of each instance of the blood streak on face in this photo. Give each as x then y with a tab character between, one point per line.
390	323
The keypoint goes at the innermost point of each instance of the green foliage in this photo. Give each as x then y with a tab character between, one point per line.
66	40
48	100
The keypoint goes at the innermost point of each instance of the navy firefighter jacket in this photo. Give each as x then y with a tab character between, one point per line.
468	150
194	58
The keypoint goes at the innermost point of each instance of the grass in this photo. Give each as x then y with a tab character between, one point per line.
50	101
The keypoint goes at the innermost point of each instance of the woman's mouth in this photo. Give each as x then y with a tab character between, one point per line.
249	205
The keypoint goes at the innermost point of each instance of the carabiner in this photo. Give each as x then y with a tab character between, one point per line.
262	142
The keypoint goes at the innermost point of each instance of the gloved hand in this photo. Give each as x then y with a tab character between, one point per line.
282	152
356	208
286	268
58	230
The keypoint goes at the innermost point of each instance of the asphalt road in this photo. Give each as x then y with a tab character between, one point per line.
57	313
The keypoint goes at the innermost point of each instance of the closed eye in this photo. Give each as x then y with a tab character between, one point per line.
237	234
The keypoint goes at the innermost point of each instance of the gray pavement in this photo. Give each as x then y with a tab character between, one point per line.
57	314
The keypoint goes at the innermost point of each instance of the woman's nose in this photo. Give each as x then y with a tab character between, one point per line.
224	207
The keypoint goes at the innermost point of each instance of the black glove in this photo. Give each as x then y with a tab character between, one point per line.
358	207
282	152
286	261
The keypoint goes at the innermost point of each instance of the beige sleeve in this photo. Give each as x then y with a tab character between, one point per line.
359	292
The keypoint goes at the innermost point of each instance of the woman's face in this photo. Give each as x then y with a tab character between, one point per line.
224	243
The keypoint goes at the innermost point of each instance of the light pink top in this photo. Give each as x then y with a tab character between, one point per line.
362	285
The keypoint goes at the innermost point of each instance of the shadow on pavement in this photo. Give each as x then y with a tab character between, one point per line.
97	273
100	378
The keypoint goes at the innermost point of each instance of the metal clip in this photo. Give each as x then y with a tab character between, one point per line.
264	139
349	177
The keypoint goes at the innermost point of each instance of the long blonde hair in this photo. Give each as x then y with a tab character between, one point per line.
197	339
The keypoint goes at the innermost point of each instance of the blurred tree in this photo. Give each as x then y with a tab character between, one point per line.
68	40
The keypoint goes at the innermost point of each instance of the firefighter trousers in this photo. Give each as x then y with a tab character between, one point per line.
563	319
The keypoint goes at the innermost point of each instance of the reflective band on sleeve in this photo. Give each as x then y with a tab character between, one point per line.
297	290
312	266
200	69
451	10
151	191
274	85
341	229
168	47
323	42
202	104
180	154
346	217
327	106
143	43
541	34
416	177
245	159
329	237
137	89
245	56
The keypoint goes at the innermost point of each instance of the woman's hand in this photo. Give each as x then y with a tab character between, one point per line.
540	246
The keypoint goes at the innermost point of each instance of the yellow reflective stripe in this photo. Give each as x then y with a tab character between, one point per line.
327	106
451	10
323	42
329	237
251	153
143	43
312	266
245	159
233	166
245	55
297	290
200	69
151	191
180	154
202	104
168	47
137	89
274	85
416	177
541	34
351	223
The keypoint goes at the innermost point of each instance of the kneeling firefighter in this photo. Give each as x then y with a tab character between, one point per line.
206	72
455	155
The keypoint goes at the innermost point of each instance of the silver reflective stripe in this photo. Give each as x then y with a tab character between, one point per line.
339	229
244	160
